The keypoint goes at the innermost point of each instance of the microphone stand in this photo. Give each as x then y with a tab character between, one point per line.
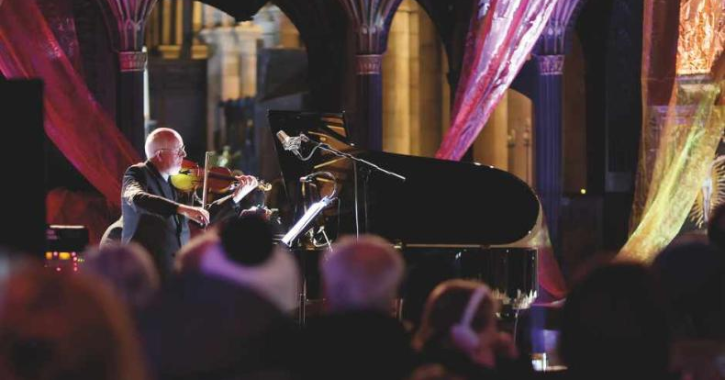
338	153
368	164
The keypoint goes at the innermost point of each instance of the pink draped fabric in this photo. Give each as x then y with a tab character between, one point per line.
59	17
501	36
74	121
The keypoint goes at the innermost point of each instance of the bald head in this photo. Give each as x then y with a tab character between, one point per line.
162	138
165	148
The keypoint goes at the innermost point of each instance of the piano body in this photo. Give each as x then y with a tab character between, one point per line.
444	217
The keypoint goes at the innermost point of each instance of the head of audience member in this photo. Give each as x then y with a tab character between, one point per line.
362	274
614	323
460	318
128	268
246	254
63	326
188	259
716	227
165	149
247	240
692	275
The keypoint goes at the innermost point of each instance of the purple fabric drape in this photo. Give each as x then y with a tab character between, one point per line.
501	36
74	121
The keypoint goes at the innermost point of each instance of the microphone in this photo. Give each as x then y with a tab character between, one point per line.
291	144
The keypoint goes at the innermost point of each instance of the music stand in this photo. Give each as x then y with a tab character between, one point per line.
300	227
302	224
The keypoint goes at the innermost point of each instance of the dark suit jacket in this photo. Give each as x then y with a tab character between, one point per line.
149	211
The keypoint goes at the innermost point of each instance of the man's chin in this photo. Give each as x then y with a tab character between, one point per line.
174	171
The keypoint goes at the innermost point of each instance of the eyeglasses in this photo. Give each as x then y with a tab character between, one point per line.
181	151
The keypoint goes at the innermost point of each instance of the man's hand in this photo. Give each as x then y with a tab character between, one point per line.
247	183
196	214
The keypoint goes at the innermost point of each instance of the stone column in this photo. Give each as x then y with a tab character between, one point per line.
549	55
126	21
519	136
231	70
370	21
247	35
429	86
397	84
547	134
491	146
223	76
267	20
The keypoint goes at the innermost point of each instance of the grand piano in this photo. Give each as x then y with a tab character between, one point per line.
446	217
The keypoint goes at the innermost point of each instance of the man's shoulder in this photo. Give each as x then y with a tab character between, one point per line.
137	168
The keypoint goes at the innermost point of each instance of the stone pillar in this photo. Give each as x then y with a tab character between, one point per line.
429	86
267	20
519	136
397	84
549	55
370	21
247	35
491	146
412	84
368	128
231	70
127	27
223	77
548	143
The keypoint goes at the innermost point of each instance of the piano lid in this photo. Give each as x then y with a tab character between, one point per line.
440	202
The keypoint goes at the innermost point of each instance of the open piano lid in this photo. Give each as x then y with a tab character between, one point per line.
440	202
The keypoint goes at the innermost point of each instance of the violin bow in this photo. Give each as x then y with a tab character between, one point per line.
205	187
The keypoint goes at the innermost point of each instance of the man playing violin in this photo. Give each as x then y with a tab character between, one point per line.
152	212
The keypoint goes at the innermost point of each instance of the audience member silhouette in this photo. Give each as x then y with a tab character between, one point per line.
692	275
188	259
248	256
128	268
358	338
62	326
217	323
614	326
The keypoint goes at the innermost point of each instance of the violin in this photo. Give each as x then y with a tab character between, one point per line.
219	179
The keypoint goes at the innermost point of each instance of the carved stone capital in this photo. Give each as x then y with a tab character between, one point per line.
370	22
130	18
133	61
369	64
550	64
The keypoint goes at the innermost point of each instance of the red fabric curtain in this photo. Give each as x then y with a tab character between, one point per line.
501	35
38	40
74	121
